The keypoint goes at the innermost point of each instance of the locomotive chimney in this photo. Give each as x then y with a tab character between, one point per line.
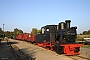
61	25
68	23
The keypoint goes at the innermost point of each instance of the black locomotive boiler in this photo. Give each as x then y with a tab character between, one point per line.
60	38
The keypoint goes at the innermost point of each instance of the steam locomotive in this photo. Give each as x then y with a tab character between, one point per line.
60	38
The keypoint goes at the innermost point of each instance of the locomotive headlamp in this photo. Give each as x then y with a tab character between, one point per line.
64	38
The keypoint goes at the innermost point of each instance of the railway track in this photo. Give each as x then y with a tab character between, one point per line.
18	54
13	51
78	57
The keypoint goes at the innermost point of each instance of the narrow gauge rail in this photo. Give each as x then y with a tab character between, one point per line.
21	55
14	53
78	57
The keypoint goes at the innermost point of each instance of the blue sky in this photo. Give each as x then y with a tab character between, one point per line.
26	14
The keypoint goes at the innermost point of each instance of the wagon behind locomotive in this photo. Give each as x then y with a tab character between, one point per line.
26	37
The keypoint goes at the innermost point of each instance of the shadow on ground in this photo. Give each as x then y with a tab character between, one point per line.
5	53
30	52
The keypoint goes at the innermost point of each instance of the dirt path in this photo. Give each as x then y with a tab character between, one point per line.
38	52
85	52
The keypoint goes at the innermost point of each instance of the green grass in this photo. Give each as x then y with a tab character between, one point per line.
80	37
86	46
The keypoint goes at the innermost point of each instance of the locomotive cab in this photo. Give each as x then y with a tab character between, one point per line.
49	34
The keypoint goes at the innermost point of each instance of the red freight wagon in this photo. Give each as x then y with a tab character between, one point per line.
16	36
33	38
22	36
19	36
26	36
29	37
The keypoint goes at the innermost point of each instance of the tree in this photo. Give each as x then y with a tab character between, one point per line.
10	33
38	31
35	31
88	31
1	32
7	33
85	32
17	31
20	31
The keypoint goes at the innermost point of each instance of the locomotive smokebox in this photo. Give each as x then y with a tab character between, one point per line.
68	23
61	25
